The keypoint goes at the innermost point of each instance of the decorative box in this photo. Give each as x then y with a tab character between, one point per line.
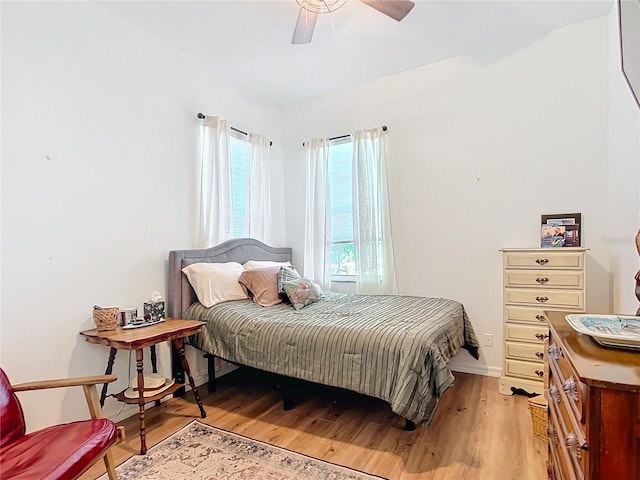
153	311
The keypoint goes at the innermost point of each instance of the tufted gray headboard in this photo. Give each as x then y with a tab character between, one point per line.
241	250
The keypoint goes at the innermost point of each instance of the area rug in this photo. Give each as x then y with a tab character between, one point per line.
200	451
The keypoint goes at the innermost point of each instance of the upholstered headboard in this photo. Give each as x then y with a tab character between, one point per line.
241	250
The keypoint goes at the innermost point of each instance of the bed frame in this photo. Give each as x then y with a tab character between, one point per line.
181	295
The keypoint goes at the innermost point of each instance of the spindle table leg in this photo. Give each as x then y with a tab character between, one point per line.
112	357
185	365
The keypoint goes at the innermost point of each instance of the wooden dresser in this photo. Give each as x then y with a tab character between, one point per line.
594	407
535	280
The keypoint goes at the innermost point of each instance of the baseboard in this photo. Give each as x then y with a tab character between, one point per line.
228	368
203	379
483	370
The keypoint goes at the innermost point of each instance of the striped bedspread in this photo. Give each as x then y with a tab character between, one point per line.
391	347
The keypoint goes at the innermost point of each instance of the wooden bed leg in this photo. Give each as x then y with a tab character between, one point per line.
211	369
409	426
287	403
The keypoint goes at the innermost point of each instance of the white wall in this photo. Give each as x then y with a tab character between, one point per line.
479	147
99	141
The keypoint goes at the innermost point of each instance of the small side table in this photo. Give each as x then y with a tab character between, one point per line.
172	329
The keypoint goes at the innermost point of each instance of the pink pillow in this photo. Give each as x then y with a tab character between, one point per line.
262	285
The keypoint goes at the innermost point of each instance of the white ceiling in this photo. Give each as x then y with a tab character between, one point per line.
251	40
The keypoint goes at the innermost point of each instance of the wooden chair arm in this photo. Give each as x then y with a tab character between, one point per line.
88	385
64	382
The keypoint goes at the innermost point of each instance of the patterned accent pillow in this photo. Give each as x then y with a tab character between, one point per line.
302	292
286	274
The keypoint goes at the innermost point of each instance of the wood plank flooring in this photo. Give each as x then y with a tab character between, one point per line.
476	434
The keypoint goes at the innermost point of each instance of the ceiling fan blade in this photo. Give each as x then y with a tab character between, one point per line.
305	26
396	9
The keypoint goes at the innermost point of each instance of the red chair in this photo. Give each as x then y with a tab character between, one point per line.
63	451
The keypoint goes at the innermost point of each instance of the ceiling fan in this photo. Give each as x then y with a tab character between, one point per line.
310	9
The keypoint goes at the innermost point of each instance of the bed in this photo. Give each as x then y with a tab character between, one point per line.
391	347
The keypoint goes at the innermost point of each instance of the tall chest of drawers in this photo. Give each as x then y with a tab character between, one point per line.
594	407
535	280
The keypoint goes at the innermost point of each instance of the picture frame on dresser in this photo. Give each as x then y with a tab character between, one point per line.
571	224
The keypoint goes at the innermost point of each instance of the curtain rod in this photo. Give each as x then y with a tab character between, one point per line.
202	115
384	129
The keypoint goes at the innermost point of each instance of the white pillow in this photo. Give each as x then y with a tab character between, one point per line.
215	282
254	264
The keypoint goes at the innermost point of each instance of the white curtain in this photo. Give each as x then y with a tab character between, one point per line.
317	231
216	203
375	265
257	217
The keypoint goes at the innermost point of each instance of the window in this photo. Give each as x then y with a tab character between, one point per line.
341	185
239	153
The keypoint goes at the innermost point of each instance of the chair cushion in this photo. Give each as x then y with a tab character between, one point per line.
11	418
59	452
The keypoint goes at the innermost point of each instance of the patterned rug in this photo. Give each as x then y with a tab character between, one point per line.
200	451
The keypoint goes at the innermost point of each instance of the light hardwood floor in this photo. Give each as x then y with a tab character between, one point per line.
476	433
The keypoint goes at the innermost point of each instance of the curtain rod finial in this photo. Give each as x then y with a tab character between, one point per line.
201	115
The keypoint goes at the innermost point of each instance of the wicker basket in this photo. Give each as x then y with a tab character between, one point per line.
106	318
538	407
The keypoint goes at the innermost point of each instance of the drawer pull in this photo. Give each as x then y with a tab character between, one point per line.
539	354
570	388
554	394
542	336
542	280
542	299
542	261
540	373
572	443
551	433
554	351
541	318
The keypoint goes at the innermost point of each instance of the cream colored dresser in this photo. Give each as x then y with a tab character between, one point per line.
534	280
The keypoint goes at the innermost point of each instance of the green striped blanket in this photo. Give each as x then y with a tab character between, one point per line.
391	347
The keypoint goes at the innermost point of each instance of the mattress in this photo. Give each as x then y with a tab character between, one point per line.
391	347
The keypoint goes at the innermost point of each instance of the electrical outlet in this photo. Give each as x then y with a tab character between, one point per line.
488	340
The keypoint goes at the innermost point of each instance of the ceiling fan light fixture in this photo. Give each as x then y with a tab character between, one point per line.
321	6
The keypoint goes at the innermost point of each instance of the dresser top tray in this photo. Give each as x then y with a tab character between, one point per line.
608	330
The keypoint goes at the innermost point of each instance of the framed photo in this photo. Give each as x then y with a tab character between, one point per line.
552	236
571	222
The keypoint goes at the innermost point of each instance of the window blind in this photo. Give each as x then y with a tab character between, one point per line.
239	153
341	184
